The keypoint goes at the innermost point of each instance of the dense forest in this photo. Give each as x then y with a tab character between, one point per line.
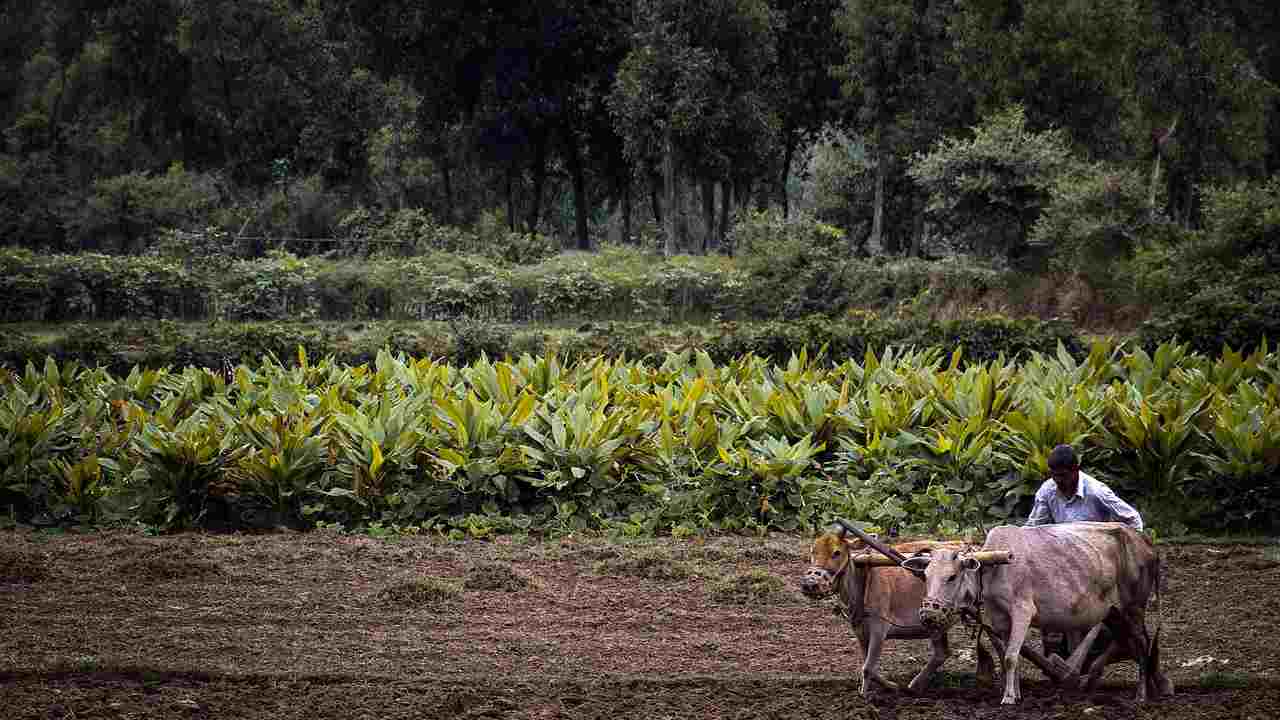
652	118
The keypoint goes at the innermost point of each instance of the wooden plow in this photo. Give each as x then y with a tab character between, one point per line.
1062	672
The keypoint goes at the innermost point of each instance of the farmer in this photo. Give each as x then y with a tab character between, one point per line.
1072	496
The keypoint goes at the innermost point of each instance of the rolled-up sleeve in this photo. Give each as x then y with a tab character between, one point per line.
1121	510
1040	513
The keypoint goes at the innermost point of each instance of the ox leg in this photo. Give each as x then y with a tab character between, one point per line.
1128	640
873	633
1019	622
1099	665
1158	683
938	653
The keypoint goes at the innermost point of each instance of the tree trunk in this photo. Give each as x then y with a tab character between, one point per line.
788	154
579	189
626	210
669	179
708	214
877	217
55	117
447	176
655	187
539	179
726	199
917	228
511	198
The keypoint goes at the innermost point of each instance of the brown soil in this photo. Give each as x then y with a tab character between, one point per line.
318	625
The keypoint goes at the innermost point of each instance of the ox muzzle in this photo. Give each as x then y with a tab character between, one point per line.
935	613
818	582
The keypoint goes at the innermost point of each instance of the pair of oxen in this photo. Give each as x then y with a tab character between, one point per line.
1073	578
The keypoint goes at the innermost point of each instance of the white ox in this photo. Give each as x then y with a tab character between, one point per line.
1063	578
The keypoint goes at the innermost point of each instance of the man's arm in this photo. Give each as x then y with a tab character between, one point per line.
1040	513
1121	510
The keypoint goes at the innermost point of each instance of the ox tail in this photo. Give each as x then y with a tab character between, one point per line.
1159	684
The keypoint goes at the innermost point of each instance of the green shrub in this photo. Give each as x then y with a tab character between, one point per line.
988	190
129	211
278	287
1218	287
471	340
795	266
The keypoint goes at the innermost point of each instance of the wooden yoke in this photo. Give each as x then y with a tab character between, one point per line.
986	557
897	557
890	557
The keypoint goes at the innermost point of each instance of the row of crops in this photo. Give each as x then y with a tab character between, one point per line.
905	437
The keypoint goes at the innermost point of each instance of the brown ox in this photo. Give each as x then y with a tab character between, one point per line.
883	603
1063	578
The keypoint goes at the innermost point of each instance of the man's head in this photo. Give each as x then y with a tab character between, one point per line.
1064	467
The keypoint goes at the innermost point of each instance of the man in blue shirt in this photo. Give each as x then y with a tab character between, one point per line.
1072	496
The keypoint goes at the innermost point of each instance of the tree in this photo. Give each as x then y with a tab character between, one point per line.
901	91
1069	63
690	95
1203	101
987	191
808	48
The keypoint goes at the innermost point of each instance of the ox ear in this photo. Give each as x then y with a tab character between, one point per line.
971	563
917	563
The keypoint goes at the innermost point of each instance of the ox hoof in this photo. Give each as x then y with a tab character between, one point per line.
1006	700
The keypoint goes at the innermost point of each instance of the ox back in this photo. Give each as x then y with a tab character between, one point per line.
1071	574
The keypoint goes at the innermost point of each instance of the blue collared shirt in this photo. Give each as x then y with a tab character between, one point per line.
1093	501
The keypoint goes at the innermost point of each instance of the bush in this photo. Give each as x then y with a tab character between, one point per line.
988	190
278	287
794	266
1218	287
127	212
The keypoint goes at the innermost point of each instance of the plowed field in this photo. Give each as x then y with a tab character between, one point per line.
320	625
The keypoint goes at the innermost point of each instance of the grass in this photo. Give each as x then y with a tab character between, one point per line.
425	591
493	575
1225	680
751	587
649	563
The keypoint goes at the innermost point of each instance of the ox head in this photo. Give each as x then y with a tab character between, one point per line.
828	560
952	583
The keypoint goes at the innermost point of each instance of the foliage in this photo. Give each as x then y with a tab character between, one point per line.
1096	215
788	269
914	438
795	265
1216	288
128	211
989	189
